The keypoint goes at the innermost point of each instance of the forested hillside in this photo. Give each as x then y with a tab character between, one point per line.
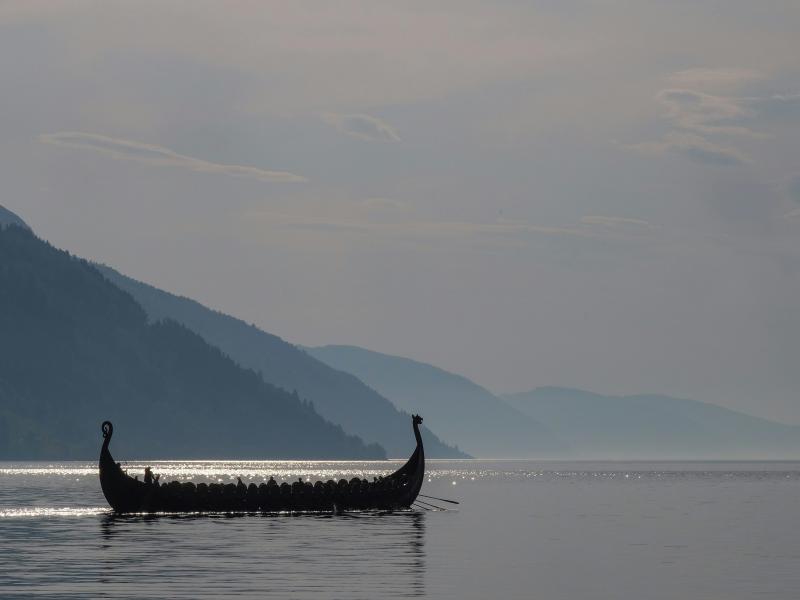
75	350
339	397
9	218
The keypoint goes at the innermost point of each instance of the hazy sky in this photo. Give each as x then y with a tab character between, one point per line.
596	194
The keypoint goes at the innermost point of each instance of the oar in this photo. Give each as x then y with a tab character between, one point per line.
432	505
422	507
442	499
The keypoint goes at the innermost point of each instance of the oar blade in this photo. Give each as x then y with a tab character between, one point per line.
440	499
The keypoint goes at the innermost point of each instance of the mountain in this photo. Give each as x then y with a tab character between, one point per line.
484	425
75	350
652	426
9	218
339	397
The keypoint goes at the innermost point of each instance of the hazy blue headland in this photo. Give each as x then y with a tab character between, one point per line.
82	343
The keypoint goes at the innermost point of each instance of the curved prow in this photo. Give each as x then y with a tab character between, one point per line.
108	430
112	479
416	421
414	469
419	475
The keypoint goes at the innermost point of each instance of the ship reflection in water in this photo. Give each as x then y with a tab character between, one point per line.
359	555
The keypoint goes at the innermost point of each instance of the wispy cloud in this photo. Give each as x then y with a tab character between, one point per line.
777	105
704	124
706	113
714	78
699	119
159	156
693	147
363	127
614	221
589	227
415	228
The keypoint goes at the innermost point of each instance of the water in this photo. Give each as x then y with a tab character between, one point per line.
643	531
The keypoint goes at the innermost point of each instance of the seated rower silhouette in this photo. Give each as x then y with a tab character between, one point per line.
149	478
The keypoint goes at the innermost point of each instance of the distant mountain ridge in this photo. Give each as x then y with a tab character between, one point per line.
75	350
655	426
569	423
75	345
339	397
484	425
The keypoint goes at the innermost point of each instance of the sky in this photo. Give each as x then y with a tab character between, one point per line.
596	194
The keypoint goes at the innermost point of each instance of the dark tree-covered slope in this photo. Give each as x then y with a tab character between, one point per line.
339	397
9	218
75	350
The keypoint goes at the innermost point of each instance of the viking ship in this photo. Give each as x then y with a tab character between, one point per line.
393	492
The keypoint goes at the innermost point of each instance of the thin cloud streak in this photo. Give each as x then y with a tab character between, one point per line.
159	156
693	147
706	113
698	117
596	227
714	77
364	127
792	214
415	228
615	221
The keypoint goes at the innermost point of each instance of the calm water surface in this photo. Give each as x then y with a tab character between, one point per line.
523	530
